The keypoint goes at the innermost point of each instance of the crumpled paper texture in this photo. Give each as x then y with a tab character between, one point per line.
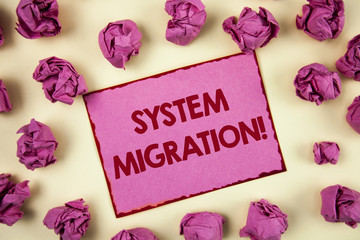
60	80
265	221
119	41
1	36
341	204
188	18
322	19
70	221
315	83
353	114
202	225
252	30
135	234
38	18
349	64
35	148
12	197
5	104
326	152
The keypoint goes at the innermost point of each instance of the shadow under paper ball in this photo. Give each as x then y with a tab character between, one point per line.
29	212
63	142
8	26
14	90
66	13
226	226
93	223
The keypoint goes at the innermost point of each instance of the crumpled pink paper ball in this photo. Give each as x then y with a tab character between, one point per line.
353	114
135	234
322	19
188	18
5	104
265	221
349	64
35	148
38	18
70	221
119	41
341	204
60	80
202	225
315	83
252	30
326	152
12	197
1	36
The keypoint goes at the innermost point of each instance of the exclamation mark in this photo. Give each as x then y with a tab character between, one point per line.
262	127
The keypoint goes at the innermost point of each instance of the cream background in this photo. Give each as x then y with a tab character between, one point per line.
78	172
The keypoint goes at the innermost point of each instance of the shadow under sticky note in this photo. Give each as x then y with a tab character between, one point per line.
184	132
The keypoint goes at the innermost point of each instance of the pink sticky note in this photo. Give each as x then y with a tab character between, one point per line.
184	132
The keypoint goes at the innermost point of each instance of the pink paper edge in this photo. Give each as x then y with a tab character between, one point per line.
147	207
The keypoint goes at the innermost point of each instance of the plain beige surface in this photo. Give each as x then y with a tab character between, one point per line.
78	172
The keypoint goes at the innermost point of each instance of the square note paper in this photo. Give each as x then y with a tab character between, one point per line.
183	133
